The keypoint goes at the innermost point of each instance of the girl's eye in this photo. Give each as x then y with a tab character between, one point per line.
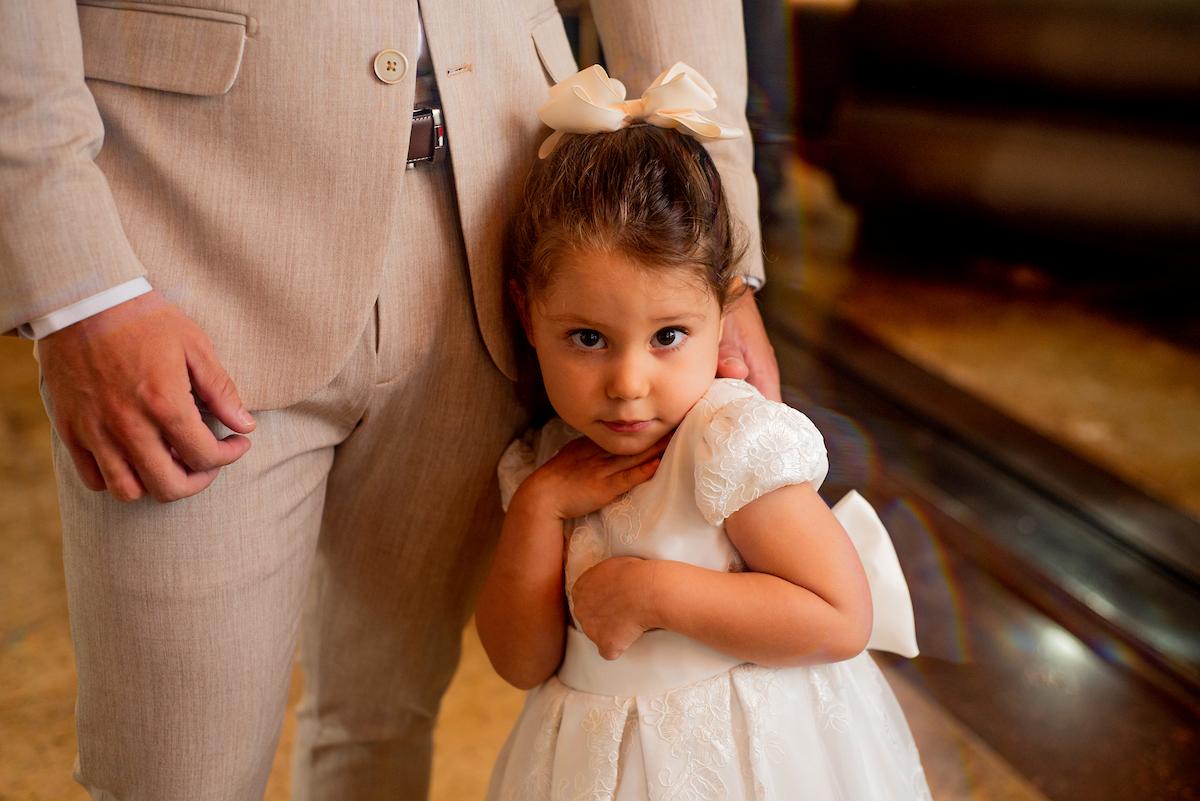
587	339
669	337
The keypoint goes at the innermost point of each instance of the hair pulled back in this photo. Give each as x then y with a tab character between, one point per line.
651	194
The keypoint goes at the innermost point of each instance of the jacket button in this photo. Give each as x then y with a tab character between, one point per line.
391	66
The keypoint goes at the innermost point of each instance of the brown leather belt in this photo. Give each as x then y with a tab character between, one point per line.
427	143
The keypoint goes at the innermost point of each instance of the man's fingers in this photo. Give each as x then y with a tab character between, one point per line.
731	365
196	446
745	350
214	386
85	465
767	382
163	477
119	477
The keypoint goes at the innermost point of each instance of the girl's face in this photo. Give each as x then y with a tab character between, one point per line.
625	351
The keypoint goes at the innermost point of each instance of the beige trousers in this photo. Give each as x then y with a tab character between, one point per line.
379	488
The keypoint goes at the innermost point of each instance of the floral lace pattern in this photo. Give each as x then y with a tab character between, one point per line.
827	686
622	520
695	722
755	446
537	780
760	694
603	727
515	465
587	546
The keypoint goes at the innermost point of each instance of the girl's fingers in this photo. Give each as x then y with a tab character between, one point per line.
623	462
631	477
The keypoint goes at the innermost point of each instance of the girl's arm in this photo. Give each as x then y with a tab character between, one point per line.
806	601
520	613
520	616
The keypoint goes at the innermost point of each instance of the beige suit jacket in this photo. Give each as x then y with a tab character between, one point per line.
244	156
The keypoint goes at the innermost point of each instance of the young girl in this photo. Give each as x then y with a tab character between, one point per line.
716	612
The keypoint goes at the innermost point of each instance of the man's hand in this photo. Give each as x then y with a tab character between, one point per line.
612	603
745	351
121	384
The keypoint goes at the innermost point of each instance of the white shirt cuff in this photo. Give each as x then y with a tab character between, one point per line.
59	319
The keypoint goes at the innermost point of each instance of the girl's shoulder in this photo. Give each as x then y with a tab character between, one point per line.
529	452
746	446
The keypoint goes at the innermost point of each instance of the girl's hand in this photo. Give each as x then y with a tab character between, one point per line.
582	477
612	603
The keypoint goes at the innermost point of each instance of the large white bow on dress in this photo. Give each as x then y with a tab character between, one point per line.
591	102
894	628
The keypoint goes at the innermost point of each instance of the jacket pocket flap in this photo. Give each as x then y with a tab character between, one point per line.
550	39
171	48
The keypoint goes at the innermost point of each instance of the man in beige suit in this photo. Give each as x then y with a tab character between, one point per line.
206	210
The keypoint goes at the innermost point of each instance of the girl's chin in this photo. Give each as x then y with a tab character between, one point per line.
621	444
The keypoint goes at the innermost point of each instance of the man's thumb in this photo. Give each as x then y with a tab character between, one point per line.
214	386
731	365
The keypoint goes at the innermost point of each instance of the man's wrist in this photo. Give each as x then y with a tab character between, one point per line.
90	306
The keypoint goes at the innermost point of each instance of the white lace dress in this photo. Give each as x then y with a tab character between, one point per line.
673	718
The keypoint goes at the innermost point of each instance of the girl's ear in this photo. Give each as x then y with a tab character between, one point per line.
522	306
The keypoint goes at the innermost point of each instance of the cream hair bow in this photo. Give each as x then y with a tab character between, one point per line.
591	102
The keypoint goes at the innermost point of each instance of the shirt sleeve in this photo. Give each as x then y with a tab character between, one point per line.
60	231
751	447
59	319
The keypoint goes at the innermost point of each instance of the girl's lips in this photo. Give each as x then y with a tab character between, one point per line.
626	426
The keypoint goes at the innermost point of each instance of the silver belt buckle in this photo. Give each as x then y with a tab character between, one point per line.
439	138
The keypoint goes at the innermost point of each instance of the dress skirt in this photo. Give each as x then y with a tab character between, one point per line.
825	733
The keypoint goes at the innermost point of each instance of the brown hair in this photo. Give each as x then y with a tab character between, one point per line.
649	193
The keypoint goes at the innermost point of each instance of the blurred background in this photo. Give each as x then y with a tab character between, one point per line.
982	228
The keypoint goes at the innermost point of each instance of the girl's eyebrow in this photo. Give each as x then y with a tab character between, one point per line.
575	319
680	316
572	318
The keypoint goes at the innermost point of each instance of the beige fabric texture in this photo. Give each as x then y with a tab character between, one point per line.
380	486
246	158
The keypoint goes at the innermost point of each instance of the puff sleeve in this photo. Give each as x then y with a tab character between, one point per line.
753	446
526	454
515	465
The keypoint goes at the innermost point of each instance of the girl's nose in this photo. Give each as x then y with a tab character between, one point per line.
629	378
